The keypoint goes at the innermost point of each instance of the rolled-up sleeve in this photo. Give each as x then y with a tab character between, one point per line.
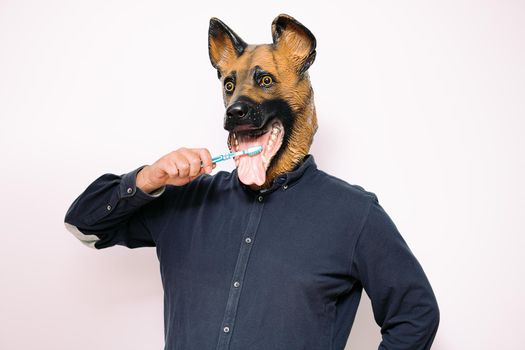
403	302
110	211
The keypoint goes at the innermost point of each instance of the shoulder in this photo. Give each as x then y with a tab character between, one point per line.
341	197
346	190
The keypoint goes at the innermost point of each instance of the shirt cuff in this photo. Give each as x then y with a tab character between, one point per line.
128	187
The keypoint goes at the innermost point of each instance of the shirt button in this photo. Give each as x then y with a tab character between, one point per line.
236	284
108	207
130	190
260	198
226	329
248	240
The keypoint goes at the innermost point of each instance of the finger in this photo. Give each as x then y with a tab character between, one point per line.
205	157
182	164
170	168
201	171
194	161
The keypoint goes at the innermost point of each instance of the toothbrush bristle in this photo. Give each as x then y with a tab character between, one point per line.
254	150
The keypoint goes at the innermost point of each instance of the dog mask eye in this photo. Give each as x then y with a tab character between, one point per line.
266	81
229	86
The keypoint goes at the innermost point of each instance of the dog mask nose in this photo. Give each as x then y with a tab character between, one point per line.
237	110
241	112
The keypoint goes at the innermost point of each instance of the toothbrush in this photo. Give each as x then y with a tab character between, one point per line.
251	151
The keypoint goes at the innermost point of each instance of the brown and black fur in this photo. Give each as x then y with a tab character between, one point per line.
290	97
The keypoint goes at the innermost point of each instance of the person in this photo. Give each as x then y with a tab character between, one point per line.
274	254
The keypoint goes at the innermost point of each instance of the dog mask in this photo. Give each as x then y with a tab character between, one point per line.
267	95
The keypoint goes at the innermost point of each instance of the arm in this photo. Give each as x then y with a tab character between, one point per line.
112	209
403	302
110	212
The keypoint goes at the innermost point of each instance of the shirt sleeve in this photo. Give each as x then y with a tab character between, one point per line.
110	212
403	302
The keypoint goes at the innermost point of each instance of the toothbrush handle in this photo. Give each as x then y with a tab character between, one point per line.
215	159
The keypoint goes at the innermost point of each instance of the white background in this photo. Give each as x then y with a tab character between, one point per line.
420	102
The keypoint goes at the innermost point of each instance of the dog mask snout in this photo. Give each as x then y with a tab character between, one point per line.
241	113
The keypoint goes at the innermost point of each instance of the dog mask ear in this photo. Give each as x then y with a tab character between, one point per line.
295	40
223	44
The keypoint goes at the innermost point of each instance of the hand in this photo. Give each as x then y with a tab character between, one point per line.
175	168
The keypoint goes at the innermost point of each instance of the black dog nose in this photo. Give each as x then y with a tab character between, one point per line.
237	110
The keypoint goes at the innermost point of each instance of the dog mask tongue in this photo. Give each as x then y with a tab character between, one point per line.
251	169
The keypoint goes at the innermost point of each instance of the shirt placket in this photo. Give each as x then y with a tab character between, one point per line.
248	239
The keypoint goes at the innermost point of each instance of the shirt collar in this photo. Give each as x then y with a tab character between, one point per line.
285	179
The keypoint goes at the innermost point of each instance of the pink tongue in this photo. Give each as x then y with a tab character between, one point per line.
251	169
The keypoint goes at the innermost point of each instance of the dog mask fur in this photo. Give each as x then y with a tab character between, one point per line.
267	84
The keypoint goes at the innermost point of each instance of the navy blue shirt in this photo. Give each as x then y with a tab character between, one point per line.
281	269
